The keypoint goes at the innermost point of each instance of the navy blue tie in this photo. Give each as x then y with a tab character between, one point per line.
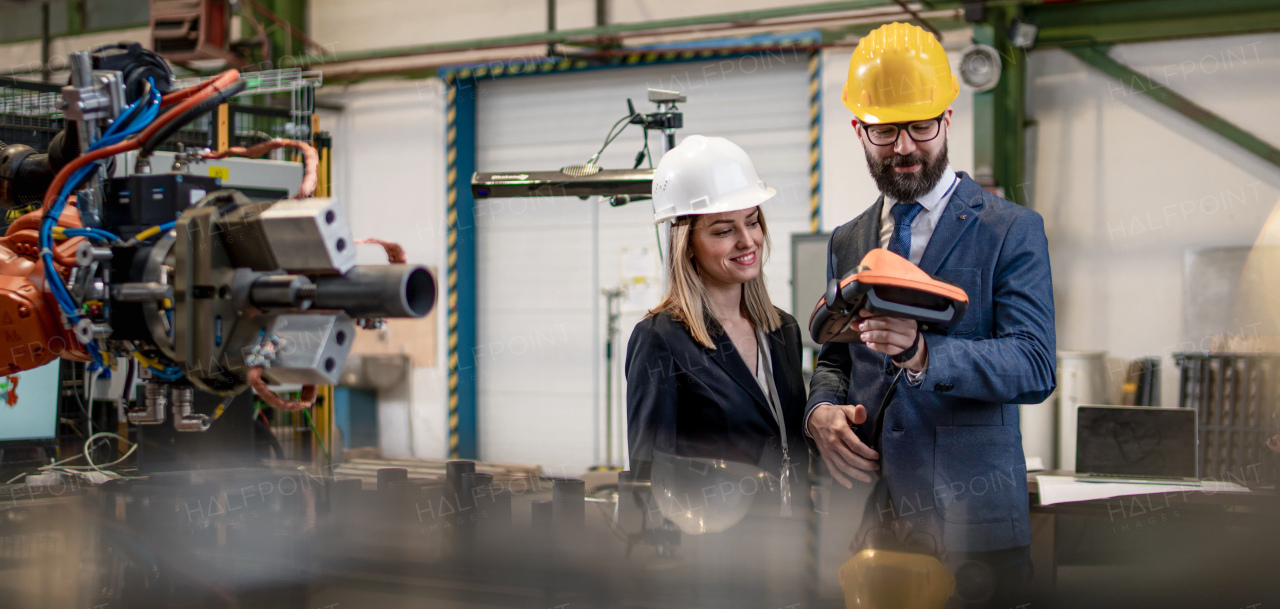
903	215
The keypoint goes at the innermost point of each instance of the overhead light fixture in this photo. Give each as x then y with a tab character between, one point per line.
980	67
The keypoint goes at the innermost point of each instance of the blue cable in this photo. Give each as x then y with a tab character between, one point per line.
128	124
168	373
92	233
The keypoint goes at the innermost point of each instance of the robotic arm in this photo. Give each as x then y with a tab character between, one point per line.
195	285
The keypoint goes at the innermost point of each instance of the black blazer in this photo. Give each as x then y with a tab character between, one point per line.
691	401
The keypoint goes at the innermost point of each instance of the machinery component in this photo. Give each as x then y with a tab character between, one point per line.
1236	397
25	175
706	175
378	291
294	235
32	329
142	292
561	183
371	323
885	283
184	416
87	254
282	292
889	56
136	65
143	201
153	407
208	290
87	331
311	160
621	186
980	67
98	98
666	120
307	349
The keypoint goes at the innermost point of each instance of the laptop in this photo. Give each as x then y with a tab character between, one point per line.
1136	444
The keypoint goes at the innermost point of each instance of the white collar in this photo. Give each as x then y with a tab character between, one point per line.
938	196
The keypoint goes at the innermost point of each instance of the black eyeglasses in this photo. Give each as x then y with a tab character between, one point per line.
887	134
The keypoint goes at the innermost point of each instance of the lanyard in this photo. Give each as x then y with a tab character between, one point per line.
775	406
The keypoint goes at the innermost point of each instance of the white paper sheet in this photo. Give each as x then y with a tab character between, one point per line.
1064	489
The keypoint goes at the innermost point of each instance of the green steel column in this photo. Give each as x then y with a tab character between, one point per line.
1000	114
984	119
282	43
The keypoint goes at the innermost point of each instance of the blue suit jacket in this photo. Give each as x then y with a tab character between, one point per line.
951	450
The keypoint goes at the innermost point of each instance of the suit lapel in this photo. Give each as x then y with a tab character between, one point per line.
867	229
726	355
864	236
958	217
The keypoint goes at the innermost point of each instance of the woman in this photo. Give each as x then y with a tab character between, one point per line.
714	370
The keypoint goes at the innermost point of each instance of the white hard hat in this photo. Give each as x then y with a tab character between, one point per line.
706	175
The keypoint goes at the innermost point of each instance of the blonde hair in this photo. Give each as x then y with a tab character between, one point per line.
687	300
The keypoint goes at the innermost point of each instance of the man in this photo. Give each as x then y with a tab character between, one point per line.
950	452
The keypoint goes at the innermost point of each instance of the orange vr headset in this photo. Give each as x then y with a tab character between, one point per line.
890	285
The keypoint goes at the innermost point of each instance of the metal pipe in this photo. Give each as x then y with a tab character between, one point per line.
569	504
46	72
608	31
477	489
280	291
453	472
551	25
396	290
542	520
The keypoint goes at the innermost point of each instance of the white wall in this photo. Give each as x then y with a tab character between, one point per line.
389	172
1127	185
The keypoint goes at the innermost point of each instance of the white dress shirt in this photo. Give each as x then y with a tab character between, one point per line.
934	202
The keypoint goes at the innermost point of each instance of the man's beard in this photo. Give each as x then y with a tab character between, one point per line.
908	186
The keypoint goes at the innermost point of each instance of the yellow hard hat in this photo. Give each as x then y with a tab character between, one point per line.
899	73
886	579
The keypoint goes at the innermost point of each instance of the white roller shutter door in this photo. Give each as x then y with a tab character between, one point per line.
543	261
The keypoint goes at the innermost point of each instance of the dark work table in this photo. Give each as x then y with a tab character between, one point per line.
1187	548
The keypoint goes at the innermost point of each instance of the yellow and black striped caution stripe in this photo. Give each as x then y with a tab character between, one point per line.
815	140
452	207
813	547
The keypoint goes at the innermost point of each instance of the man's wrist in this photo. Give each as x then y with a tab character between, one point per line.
919	358
809	414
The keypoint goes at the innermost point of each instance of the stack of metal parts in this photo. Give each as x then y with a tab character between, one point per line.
435	470
1237	398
